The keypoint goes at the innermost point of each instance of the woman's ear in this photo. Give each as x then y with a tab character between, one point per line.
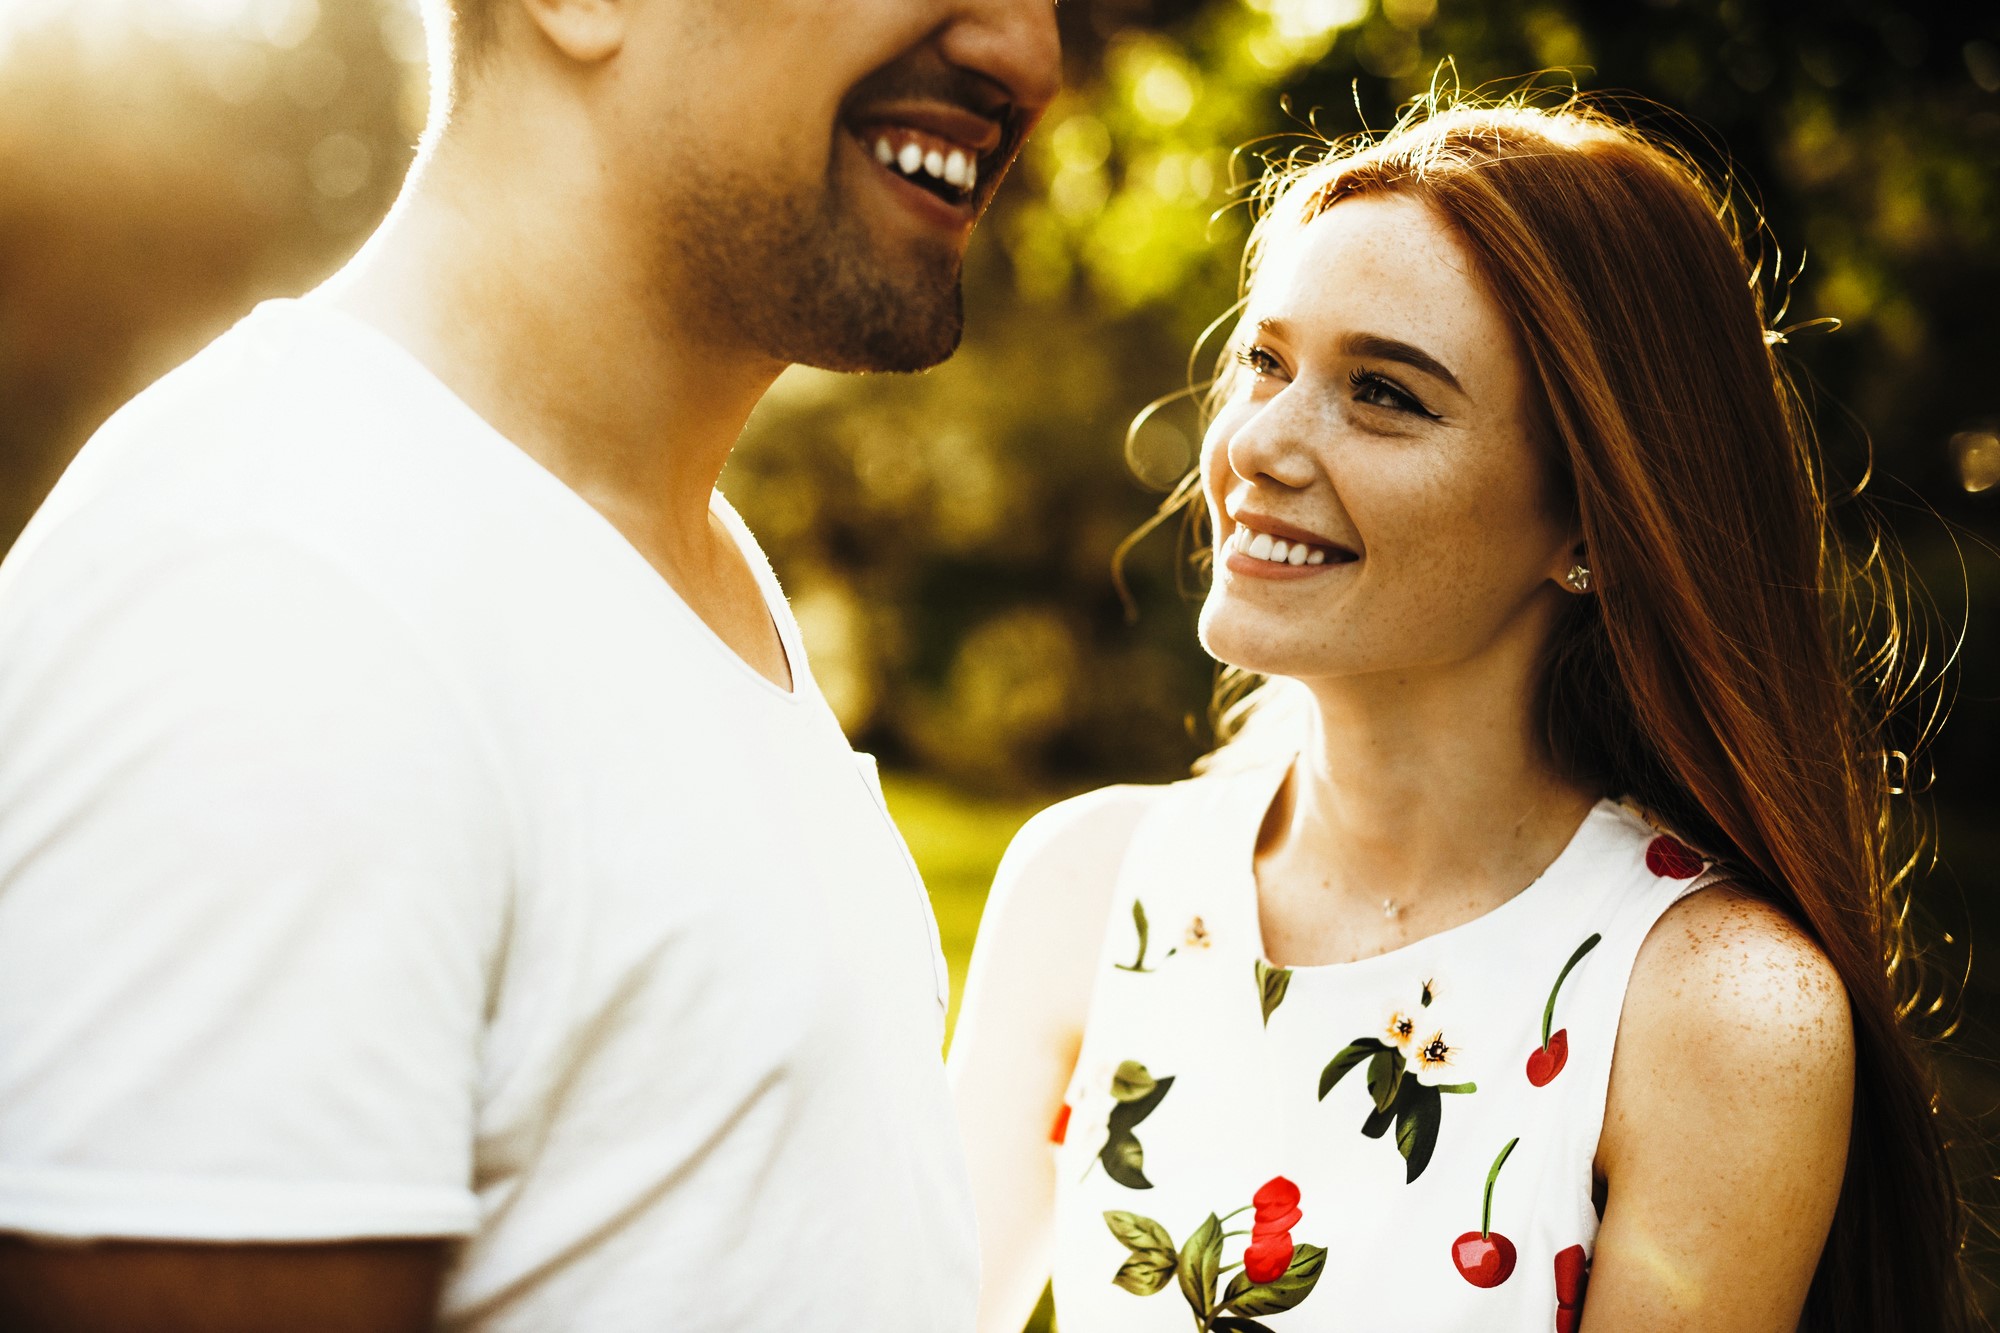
586	31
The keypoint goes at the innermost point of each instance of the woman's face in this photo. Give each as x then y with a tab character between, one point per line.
1381	417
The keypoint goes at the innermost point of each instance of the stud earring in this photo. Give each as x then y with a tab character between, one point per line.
1578	578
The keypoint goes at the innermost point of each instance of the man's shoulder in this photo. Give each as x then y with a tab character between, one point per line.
291	431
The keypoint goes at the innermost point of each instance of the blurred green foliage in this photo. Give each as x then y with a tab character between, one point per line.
947	538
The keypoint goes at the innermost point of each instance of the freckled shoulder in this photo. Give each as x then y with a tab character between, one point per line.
1728	963
1730	1005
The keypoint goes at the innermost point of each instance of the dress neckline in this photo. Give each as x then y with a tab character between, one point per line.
1260	789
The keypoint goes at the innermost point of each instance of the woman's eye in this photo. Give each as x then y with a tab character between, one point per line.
1259	359
1380	391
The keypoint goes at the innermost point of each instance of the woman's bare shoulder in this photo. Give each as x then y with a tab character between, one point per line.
1735	1023
1062	864
1728	1116
1028	989
1739	976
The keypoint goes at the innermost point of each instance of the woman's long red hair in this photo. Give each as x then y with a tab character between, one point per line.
1721	675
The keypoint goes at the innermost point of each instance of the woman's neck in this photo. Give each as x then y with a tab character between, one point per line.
1419	798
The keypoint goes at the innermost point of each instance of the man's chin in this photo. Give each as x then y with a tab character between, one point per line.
884	331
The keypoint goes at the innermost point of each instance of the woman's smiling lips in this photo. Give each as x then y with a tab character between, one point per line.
1269	548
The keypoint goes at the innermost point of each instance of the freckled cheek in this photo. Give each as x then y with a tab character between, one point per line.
1439	540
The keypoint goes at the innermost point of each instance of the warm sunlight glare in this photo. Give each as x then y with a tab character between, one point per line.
283	24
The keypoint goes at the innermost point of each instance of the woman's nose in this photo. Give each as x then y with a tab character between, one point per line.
1269	446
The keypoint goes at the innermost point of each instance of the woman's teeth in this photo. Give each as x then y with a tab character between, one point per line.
1278	551
955	167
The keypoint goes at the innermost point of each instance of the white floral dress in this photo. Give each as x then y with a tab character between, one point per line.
1400	1143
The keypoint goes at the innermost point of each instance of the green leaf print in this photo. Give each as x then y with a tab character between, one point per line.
1271	985
1201	1257
1123	1158
1349	1057
1132	1082
1139	920
1138	1233
1231	1324
1152	1262
1417	1128
1385	1078
1125	1161
1245	1297
1145	1273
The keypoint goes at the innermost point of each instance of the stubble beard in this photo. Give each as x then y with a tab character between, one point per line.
800	278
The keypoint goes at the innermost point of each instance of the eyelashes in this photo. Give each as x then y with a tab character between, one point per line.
1381	391
1258	358
1370	387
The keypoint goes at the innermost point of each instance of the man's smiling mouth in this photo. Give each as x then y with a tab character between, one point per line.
943	167
945	140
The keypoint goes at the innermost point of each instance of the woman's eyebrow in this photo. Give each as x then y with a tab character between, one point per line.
1390	349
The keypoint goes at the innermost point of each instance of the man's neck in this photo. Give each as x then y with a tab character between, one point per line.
502	269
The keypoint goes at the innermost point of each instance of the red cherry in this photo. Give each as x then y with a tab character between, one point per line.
1267	1258
1275	1197
1060	1130
1671	860
1545	1062
1572	1273
1282	1222
1484	1257
1484	1261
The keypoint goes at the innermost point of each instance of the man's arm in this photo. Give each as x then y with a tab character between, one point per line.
252	879
383	1286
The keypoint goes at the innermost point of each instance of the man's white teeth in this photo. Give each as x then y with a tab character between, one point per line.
955	168
1263	546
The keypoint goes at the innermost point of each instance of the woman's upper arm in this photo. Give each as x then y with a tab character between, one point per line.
1026	995
1726	1127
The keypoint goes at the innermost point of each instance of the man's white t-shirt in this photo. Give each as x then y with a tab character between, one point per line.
386	850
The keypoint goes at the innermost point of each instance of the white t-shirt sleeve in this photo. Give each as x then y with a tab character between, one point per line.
253	881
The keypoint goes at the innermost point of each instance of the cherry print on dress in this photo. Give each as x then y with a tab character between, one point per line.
1276	1275
1671	859
1572	1276
1548	1059
1270	1249
1485	1258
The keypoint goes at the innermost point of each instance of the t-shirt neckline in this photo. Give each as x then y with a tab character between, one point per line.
380	342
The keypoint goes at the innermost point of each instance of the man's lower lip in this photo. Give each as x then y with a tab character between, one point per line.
1239	563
